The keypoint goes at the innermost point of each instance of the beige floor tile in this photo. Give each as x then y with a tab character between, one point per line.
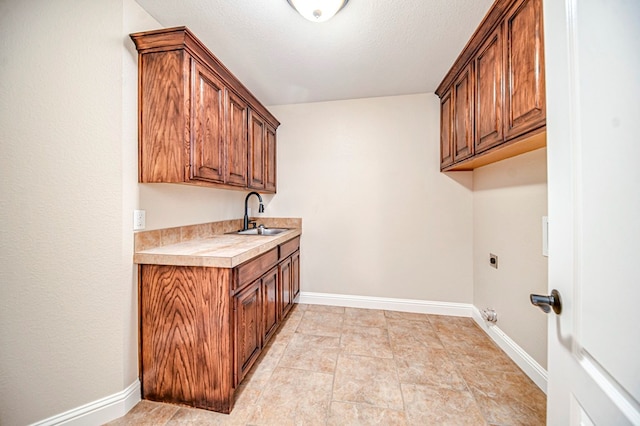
365	317
381	367
430	406
367	380
195	417
409	316
289	327
428	366
325	308
294	397
313	353
367	341
507	398
411	333
484	357
449	321
321	324
299	307
343	413
260	373
147	413
459	333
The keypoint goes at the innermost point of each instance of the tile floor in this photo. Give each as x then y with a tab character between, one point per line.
329	365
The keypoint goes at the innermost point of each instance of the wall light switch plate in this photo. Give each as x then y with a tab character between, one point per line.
139	219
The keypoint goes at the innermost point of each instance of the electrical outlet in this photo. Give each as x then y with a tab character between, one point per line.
139	220
493	260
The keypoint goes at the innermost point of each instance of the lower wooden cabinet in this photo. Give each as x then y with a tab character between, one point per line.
186	339
271	311
295	274
248	330
290	281
202	329
285	285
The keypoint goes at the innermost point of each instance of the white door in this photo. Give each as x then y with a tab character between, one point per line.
592	50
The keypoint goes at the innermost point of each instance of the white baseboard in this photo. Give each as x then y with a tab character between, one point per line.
529	365
511	348
402	305
98	412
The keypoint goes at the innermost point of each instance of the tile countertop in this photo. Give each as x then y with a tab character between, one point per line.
209	244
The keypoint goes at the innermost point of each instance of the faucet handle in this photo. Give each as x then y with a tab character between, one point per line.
253	223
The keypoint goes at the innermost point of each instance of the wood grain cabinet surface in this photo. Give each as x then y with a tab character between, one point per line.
194	117
463	115
202	328
492	101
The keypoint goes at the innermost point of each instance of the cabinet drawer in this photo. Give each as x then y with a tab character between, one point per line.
253	269
289	247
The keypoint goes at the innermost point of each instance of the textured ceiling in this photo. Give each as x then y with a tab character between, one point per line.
371	48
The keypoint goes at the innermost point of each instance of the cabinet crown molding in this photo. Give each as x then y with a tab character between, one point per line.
175	38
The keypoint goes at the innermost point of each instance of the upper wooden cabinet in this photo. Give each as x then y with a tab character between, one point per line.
525	100
493	98
462	92
489	75
194	117
262	154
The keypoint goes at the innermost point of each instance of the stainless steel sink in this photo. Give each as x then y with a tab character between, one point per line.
262	231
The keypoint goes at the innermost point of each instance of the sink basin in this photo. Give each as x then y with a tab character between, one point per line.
262	231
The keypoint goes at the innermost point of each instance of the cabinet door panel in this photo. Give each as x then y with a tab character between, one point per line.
270	158
463	115
446	130
285	285
489	93
295	275
207	136
237	141
256	151
270	298
248	318
525	93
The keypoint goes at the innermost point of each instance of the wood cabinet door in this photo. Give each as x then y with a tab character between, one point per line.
271	308
248	328
525	88
295	275
489	65
463	115
270	159
236	158
207	125
285	285
446	130
256	151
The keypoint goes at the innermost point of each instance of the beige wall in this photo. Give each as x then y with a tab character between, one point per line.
509	200
379	218
64	284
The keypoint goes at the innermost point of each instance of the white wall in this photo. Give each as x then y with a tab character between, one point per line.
509	200
379	219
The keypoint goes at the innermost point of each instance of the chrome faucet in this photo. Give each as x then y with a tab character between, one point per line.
246	208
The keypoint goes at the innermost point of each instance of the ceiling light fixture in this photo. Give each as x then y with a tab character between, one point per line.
318	10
